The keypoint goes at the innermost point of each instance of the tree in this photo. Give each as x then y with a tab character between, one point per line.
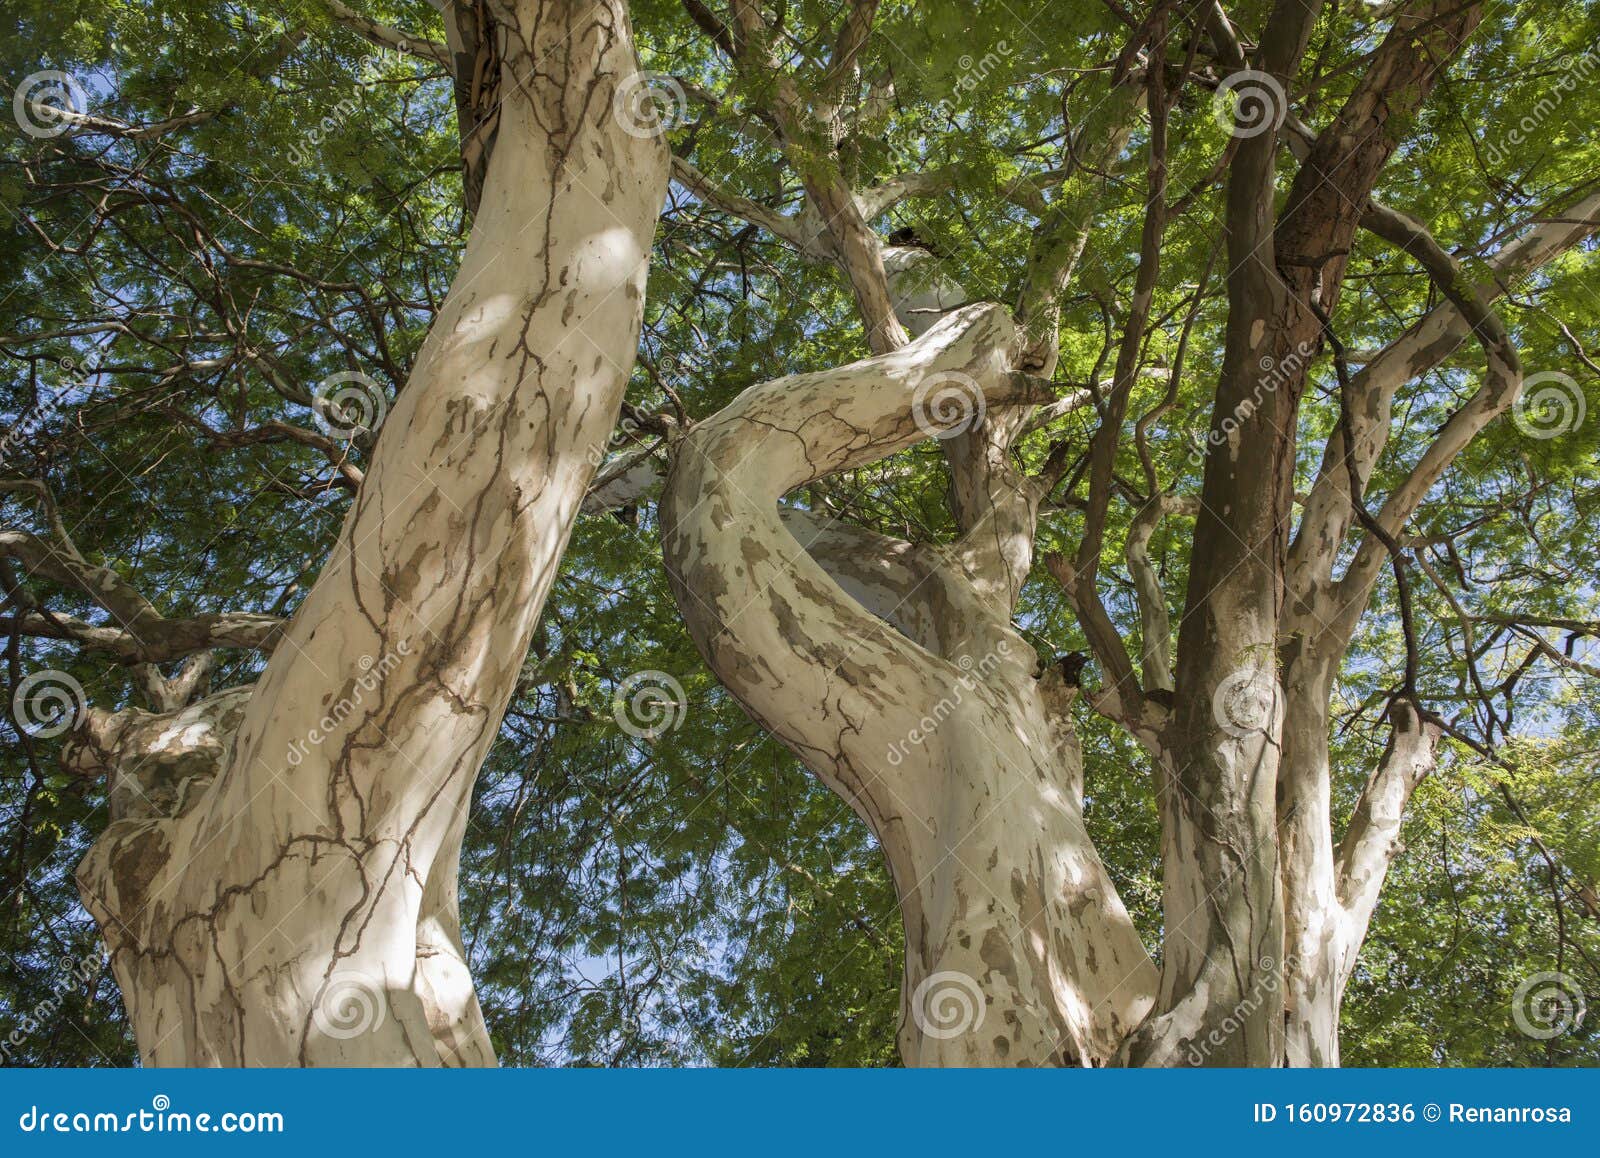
289	858
1110	287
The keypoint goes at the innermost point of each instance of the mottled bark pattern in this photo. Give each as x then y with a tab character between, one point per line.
895	675
297	904
281	863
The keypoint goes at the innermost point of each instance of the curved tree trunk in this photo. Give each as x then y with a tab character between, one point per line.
838	657
894	674
295	903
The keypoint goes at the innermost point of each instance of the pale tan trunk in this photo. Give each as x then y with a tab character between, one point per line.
301	907
892	671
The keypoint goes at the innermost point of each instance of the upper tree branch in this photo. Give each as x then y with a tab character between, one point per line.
391	38
844	64
142	634
1502	381
1327	514
1155	622
780	225
1102	633
711	26
809	144
1063	230
157	640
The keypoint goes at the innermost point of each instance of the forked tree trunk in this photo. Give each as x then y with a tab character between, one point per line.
278	883
1224	784
1330	893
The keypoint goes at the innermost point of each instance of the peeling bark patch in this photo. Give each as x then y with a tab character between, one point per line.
135	863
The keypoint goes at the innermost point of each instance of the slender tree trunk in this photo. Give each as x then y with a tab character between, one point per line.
1312	926
1333	893
295	902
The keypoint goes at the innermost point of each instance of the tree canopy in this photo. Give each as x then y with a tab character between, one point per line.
249	199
